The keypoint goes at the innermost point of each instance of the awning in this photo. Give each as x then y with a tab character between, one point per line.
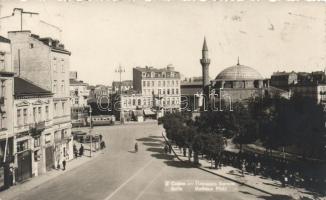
148	112
137	113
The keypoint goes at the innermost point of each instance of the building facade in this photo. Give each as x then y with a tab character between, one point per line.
133	106
7	137
45	62
79	95
33	121
159	87
284	80
315	91
125	86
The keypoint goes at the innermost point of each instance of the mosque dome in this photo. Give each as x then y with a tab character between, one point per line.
239	72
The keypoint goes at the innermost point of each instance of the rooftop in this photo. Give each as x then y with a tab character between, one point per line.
239	72
76	82
169	68
4	40
23	87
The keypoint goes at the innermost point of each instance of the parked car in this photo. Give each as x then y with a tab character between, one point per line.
95	138
79	136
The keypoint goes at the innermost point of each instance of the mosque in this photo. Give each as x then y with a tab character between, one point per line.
235	83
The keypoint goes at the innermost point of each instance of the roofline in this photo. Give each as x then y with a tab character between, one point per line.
20	31
241	79
33	95
61	51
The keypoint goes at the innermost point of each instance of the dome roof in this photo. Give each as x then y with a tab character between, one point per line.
239	72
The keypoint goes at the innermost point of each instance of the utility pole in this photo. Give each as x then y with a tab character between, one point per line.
90	129
120	70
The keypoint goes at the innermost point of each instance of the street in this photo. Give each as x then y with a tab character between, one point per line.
119	173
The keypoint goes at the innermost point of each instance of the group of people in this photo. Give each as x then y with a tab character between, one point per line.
289	173
167	149
80	152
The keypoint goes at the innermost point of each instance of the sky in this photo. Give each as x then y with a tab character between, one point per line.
102	35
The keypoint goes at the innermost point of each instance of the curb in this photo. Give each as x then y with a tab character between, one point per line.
19	189
227	178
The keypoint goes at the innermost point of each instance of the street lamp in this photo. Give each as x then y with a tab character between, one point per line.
120	70
90	129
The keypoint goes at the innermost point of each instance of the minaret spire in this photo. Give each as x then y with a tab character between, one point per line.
238	61
205	61
205	45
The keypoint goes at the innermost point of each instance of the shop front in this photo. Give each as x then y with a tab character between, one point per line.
6	163
24	161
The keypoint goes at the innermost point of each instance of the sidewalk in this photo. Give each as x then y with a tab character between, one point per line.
267	186
31	183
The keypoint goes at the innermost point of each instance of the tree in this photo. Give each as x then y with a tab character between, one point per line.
244	126
214	146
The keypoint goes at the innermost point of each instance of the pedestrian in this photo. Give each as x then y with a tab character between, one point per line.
81	150
166	149
64	164
136	147
102	145
243	167
11	176
258	168
58	164
170	149
101	137
76	153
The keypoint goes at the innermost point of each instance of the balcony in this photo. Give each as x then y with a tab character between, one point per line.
37	128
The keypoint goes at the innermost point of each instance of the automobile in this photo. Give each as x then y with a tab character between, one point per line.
79	136
95	138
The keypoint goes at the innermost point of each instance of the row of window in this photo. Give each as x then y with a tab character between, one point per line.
37	115
149	102
58	65
57	88
162	91
24	145
57	111
159	74
163	83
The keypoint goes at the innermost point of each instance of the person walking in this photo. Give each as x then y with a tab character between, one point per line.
75	151
243	167
166	149
136	147
64	164
81	150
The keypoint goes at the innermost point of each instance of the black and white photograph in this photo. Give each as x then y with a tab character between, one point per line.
162	100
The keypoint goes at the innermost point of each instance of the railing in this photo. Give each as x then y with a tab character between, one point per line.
37	128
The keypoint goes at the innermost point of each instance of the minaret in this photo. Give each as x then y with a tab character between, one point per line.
205	61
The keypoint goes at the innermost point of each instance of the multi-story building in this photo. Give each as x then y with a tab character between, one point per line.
160	87
45	62
33	121
315	91
102	90
125	86
7	147
133	106
284	80
79	94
